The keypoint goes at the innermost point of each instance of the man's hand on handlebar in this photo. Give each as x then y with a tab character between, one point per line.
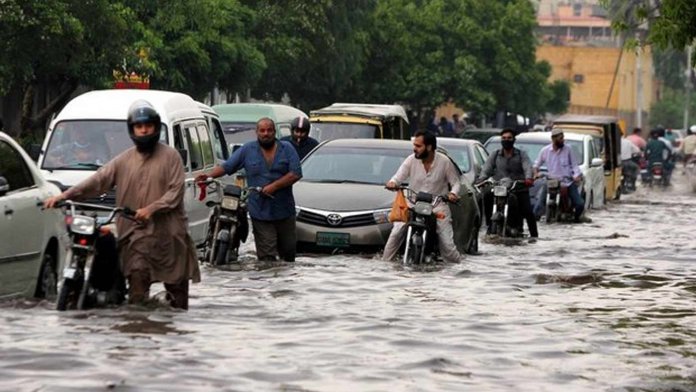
52	201
142	215
202	178
528	182
453	198
391	185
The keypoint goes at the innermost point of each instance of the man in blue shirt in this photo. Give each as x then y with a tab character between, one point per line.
274	166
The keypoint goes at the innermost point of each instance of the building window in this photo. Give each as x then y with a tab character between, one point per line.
578	78
577	9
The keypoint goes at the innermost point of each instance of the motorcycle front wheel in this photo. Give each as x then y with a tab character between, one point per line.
69	294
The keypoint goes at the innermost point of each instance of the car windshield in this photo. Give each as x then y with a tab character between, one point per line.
89	144
330	130
481	136
352	164
460	155
239	133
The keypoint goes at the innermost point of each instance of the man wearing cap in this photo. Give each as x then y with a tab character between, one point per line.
562	164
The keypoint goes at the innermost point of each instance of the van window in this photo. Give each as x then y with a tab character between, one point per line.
194	148
206	146
219	145
284	129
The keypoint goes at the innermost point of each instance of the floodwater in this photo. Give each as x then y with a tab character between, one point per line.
609	305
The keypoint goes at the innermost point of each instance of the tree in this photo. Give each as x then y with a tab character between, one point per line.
671	23
196	46
59	44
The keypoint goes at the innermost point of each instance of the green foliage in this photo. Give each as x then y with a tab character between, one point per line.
671	23
669	111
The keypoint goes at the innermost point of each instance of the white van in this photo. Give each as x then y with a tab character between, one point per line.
98	119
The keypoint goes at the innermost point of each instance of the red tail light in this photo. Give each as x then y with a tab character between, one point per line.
82	241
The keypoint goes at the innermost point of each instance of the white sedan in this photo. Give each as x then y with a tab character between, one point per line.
32	240
585	150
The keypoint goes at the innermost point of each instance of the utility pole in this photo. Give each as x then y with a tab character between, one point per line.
639	89
687	86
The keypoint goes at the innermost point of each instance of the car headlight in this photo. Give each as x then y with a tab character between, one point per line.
82	225
230	203
381	216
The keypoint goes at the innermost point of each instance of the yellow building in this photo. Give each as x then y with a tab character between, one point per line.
591	72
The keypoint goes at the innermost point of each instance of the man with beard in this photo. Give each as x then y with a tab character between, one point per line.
427	171
510	162
149	178
299	138
274	166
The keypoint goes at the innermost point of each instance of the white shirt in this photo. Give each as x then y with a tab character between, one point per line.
442	178
628	149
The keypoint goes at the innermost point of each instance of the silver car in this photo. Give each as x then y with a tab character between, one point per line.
32	240
468	154
342	203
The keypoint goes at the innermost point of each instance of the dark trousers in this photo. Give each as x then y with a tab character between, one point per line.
520	201
275	238
576	200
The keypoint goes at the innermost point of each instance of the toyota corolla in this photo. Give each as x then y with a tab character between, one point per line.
342	203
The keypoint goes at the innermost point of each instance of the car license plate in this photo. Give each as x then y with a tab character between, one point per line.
333	239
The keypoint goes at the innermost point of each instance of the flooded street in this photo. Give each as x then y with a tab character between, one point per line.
609	305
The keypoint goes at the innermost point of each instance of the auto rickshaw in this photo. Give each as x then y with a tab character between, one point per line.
357	120
607	131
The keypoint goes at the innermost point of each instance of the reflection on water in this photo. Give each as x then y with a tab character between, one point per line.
601	306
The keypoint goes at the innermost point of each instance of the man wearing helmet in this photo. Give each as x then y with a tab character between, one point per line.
299	137
148	178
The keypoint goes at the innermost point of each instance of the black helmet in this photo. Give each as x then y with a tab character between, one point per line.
142	112
301	123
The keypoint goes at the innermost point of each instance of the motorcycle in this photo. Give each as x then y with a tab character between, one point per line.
558	205
629	175
644	173
92	275
504	207
657	176
228	226
421	234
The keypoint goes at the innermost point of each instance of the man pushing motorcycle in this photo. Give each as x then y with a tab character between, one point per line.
427	171
148	178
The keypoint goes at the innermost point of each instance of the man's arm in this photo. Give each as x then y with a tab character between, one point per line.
540	161
99	182
577	173
402	173
488	166
173	195
453	181
231	165
526	165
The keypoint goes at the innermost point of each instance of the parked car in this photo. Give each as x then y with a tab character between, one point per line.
33	240
469	155
342	202
98	119
585	150
239	119
481	134
359	120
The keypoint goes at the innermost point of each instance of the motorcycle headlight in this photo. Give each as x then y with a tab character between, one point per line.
500	191
82	225
423	208
230	203
381	216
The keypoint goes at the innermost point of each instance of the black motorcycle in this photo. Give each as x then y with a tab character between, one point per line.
228	226
421	233
558	205
92	275
505	208
629	174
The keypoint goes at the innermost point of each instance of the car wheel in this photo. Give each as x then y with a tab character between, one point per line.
46	286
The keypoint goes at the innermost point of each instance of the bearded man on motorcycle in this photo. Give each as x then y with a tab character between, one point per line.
427	171
562	164
510	162
148	178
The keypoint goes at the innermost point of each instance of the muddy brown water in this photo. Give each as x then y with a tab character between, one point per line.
609	305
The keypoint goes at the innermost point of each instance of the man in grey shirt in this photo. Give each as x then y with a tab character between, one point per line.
510	162
432	172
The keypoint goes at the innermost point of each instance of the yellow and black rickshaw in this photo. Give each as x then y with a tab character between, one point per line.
607	132
359	120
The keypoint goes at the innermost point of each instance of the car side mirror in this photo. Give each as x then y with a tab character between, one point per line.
4	186
597	162
184	155
34	151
